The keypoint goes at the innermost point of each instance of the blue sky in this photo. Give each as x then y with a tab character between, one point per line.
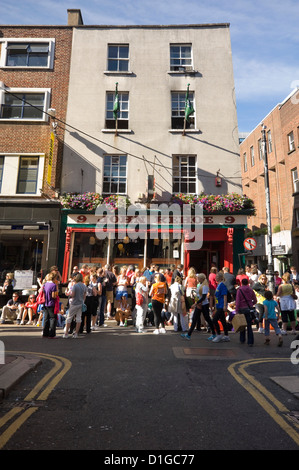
264	37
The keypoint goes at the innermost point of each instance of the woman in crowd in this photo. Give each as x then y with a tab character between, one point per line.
31	310
158	292
51	292
260	288
285	293
175	306
246	300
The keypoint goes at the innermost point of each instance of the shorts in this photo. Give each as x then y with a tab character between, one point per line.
120	294
109	296
287	315
74	311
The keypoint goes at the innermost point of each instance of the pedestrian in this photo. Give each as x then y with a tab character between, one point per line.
245	301
260	288
190	286
176	306
212	286
110	281
270	317
96	289
201	307
141	294
13	310
122	286
230	282
31	310
123	311
286	295
77	298
220	309
50	318
158	292
101	297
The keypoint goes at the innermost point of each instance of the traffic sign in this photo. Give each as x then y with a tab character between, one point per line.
250	243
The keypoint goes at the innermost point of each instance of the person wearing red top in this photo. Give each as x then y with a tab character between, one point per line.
240	276
30	310
212	286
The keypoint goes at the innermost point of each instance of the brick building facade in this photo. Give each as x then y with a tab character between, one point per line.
282	125
34	78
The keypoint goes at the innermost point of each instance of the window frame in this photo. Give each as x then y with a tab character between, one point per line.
252	159
5	42
181	67
295	179
19	181
181	110
269	139
245	165
118	177
291	141
118	58
179	179
122	122
26	91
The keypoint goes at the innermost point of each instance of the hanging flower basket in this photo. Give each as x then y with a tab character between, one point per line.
217	203
90	201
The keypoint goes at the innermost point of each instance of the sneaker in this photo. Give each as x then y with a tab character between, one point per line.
185	336
162	330
156	332
75	335
65	335
210	338
225	339
217	339
261	330
283	332
121	324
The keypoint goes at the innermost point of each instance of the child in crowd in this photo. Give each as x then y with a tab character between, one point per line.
271	309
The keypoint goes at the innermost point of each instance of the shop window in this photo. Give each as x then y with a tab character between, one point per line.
184	174
88	249
164	251
28	175
178	103
115	174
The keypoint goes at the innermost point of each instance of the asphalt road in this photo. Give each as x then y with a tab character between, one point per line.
115	390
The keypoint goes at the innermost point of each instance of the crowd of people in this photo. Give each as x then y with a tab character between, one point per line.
158	297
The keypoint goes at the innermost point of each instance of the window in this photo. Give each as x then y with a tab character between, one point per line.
269	141
295	180
245	161
260	149
118	58
115	174
252	156
180	57
178	110
27	104
33	52
1	170
291	142
297	218
28	175
184	174
123	114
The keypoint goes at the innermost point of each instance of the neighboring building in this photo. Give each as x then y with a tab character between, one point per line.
282	125
144	154
34	76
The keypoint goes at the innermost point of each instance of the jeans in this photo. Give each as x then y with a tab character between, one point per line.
157	309
219	315
101	309
248	317
50	319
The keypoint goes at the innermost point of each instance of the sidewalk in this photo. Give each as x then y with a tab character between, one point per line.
14	369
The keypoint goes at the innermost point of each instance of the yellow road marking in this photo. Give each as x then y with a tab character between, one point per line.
266	399
49	381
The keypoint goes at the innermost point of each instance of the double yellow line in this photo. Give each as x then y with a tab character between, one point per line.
40	392
266	399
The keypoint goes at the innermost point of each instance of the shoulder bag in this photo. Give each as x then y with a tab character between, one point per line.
251	309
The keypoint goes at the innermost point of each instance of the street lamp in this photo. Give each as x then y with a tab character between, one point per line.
270	270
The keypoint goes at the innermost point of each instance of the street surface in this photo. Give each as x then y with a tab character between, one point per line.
116	390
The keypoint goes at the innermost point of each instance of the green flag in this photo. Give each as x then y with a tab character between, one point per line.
188	105
116	106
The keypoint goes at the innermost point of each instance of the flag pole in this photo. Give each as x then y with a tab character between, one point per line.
116	108
186	101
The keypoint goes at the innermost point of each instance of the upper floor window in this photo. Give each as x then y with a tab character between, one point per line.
245	161
115	174
35	53
28	175
295	180
252	156
118	58
184	174
180	57
26	104
1	170
178	104
123	113
291	142
269	141
260	147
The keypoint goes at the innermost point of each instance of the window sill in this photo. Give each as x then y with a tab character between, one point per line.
25	120
25	67
111	72
291	151
182	72
119	131
187	131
